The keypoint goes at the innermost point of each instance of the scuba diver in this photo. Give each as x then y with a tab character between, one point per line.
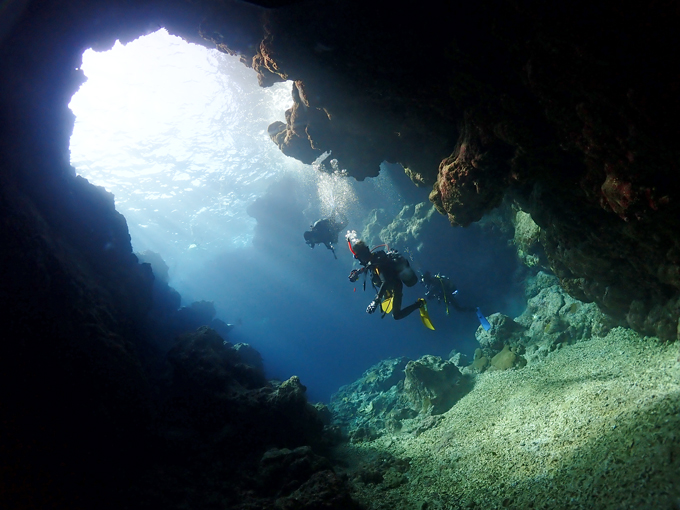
443	289
389	271
326	231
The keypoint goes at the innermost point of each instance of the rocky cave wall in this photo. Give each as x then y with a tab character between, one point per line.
94	402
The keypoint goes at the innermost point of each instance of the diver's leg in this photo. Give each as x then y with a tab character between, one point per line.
397	312
406	311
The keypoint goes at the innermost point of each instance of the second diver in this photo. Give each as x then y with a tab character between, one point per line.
325	231
443	289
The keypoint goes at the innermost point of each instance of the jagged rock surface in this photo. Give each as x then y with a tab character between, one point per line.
397	395
550	320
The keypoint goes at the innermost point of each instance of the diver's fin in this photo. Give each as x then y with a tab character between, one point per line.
482	320
386	305
424	316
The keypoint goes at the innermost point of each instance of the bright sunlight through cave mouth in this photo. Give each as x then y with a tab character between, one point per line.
178	133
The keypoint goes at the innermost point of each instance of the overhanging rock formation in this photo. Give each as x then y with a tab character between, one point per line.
568	111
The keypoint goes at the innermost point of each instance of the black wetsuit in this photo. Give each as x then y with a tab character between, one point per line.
386	279
325	231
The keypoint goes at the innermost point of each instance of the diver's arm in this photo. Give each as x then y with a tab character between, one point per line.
354	274
373	305
382	289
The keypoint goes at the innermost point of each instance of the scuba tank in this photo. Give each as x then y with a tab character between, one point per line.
401	265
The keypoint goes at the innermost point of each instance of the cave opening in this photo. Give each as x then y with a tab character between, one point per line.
177	132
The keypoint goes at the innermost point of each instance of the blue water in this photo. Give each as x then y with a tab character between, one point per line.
178	134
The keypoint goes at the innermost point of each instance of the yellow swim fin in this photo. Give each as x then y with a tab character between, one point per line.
386	305
424	316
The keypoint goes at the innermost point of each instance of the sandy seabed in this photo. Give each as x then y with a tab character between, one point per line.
595	425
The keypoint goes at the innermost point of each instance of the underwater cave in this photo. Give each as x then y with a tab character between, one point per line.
547	132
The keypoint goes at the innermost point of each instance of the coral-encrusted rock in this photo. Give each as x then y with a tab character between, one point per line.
203	365
374	403
189	318
432	384
473	180
383	469
213	392
480	362
375	222
553	318
293	137
503	331
397	396
250	356
508	358
527	240
408	226
225	421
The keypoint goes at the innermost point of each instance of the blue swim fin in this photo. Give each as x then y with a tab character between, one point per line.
482	320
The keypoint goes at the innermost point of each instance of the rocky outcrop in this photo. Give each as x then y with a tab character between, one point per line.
85	352
474	179
432	384
553	318
527	240
373	403
213	392
294	136
503	331
325	490
408	227
550	320
398	395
